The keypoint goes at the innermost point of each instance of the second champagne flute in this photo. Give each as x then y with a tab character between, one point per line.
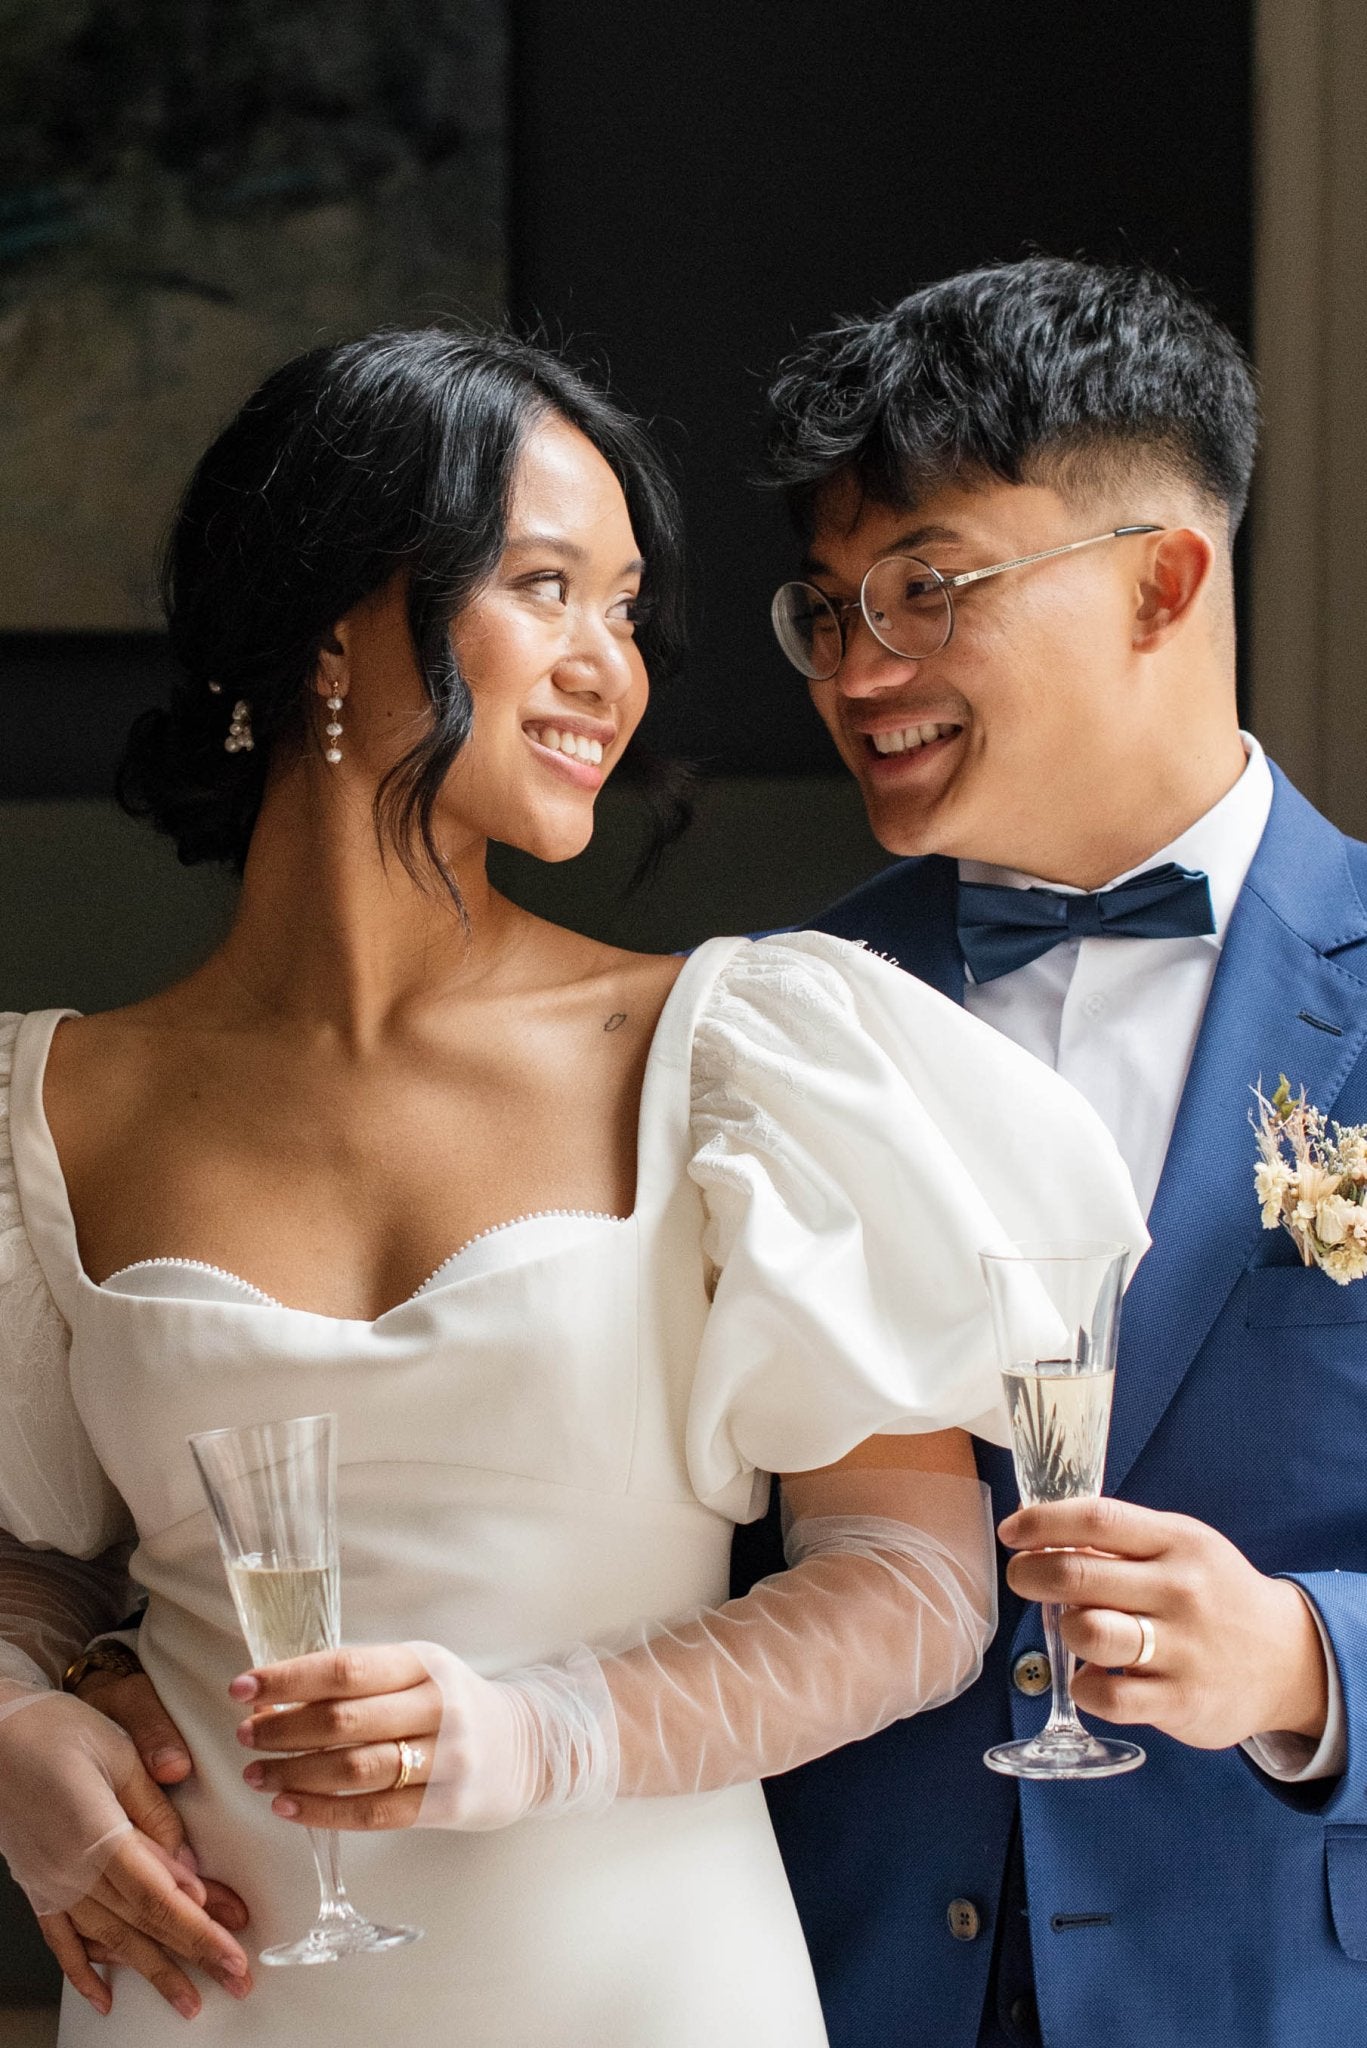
1056	1316
273	1493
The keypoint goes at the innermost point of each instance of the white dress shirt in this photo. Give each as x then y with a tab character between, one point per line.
1119	1018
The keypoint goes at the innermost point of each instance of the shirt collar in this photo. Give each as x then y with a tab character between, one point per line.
1221	844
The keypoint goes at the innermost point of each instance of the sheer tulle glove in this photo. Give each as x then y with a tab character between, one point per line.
60	1823
100	1853
879	1616
540	1740
886	1609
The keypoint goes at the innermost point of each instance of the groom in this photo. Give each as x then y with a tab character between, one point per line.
1060	727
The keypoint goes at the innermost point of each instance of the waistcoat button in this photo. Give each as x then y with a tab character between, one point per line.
1030	1673
965	1921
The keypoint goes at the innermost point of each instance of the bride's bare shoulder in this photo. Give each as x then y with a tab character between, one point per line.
110	1058
597	971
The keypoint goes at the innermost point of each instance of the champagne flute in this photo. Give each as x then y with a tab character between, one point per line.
272	1492
1056	1315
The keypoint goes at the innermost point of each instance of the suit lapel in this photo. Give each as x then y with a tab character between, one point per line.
1297	908
908	914
935	955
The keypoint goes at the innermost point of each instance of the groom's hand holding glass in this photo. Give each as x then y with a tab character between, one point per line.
1234	1653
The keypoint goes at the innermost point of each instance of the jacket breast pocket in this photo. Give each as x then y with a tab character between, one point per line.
1345	1862
1301	1297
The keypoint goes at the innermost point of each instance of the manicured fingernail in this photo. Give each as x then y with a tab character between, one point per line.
101	2005
187	2005
167	1759
237	1987
286	1808
255	1774
236	1966
246	1734
246	1687
186	1855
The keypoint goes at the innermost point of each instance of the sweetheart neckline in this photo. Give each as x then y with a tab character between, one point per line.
272	1301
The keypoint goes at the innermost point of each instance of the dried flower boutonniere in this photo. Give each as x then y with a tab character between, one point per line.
1312	1179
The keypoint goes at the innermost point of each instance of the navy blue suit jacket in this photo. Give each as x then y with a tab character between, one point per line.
1194	1901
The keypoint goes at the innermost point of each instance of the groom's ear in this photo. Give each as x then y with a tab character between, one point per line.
1175	575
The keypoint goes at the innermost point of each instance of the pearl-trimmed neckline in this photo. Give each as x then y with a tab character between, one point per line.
258	1294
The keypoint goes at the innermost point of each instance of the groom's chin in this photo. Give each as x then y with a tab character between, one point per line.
908	827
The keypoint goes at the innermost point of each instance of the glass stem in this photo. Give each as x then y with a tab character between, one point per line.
1063	1718
327	1857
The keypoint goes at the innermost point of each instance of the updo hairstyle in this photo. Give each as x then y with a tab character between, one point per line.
397	452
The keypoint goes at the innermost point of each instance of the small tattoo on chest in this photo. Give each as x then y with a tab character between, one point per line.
616	1021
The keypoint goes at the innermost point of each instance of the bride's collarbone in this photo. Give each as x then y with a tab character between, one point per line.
343	1193
332	1221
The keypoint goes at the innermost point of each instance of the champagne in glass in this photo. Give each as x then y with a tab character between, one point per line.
1056	1315
272	1491
285	1610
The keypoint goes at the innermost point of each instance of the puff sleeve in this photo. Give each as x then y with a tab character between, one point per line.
64	1531
858	1140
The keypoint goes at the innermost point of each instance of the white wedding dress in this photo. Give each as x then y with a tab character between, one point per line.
553	1438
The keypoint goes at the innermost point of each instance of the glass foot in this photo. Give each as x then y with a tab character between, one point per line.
334	1939
1042	1756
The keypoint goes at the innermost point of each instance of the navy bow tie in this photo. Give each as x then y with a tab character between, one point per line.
1002	929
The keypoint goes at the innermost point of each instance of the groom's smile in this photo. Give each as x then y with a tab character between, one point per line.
907	749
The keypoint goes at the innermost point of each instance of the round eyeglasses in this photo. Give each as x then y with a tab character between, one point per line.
906	603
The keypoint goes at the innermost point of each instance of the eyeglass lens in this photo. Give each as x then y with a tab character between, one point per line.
904	601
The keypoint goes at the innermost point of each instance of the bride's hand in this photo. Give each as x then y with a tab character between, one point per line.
132	1703
344	1714
409	1735
102	1856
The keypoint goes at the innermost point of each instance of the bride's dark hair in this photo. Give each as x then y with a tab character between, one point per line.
394	452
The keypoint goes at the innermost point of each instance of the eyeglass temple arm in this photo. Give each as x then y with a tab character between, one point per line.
1069	547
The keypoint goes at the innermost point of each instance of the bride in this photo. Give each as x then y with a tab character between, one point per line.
580	1245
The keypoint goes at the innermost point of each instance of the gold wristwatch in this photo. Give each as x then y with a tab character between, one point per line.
114	1657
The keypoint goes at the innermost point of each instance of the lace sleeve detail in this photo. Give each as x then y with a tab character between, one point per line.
53	1491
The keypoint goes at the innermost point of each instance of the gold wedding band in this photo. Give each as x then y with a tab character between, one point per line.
1147	1643
410	1759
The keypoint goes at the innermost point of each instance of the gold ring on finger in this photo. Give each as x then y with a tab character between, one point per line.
1147	1643
411	1759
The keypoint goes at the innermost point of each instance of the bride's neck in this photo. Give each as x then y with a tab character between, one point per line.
333	930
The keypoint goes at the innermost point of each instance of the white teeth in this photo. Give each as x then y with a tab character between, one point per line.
575	746
909	738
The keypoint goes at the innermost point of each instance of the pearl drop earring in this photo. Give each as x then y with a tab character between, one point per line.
239	740
333	729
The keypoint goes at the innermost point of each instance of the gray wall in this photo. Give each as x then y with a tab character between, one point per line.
95	910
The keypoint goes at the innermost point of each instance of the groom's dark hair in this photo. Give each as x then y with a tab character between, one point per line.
1043	371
